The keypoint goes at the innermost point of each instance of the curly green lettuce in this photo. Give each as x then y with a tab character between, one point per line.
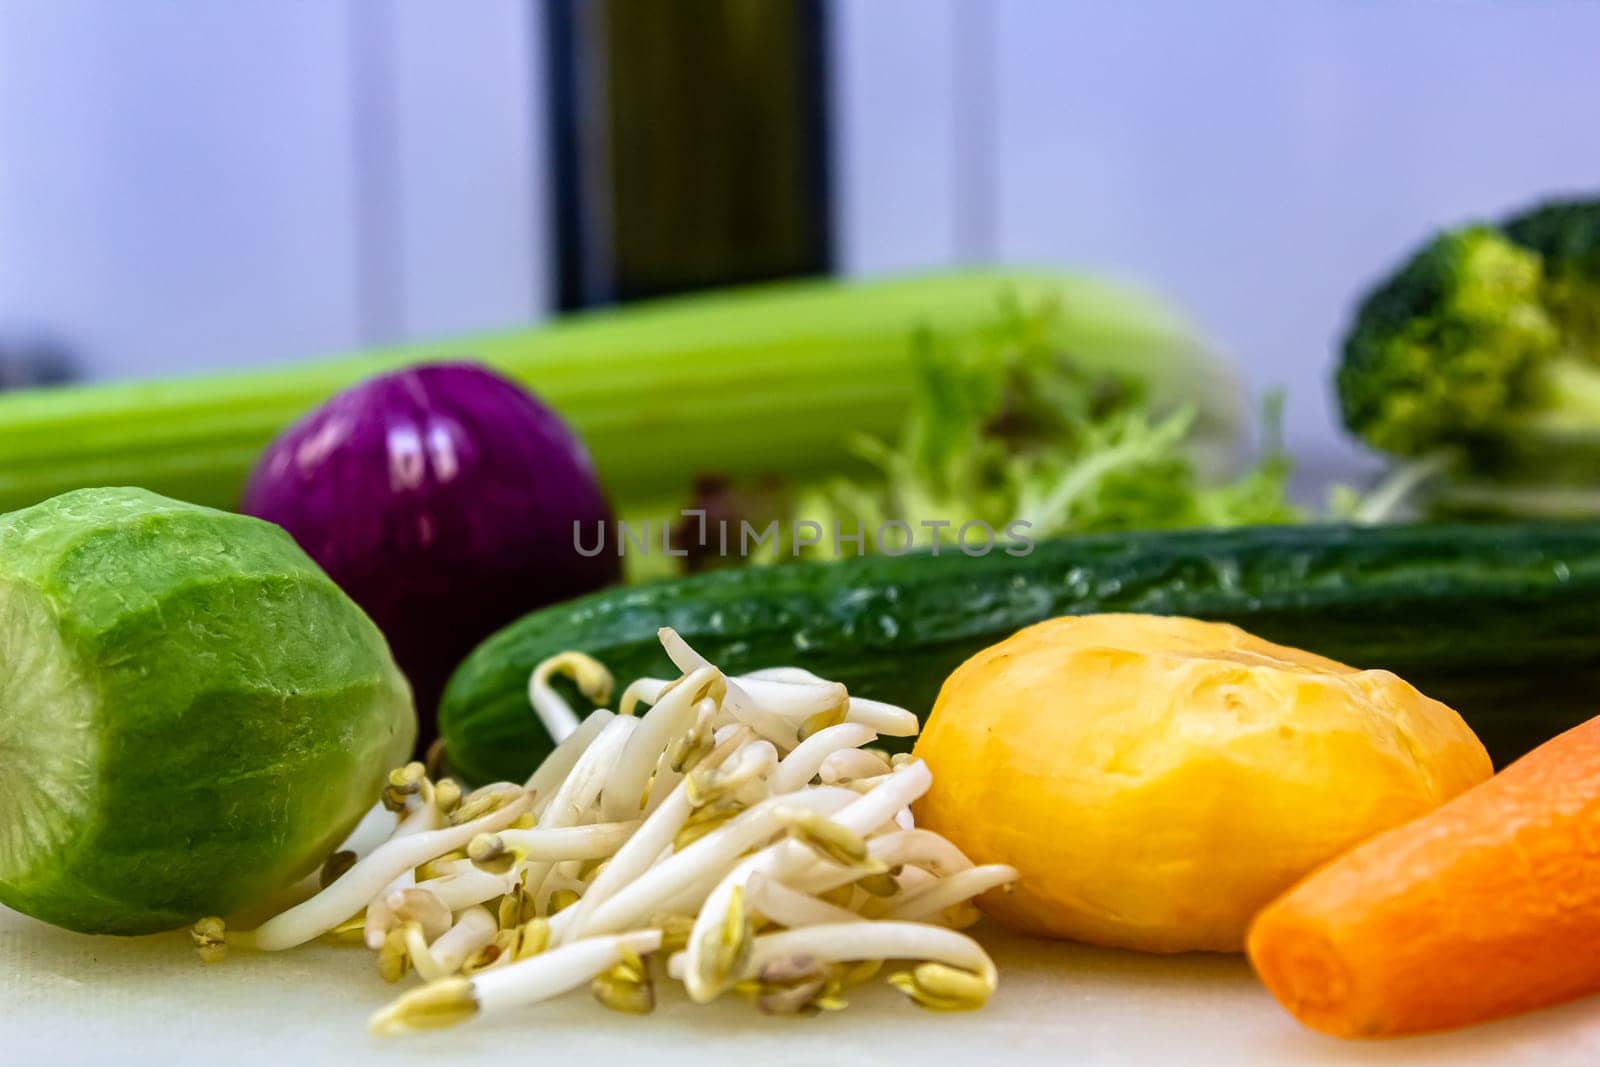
1010	428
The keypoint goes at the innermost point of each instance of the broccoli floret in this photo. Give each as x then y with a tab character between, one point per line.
1566	234
1486	341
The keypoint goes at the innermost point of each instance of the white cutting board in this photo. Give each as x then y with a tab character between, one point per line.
67	1000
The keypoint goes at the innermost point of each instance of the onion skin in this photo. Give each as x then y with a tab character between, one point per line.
442	499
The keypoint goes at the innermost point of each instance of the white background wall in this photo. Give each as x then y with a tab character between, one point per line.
204	184
199	184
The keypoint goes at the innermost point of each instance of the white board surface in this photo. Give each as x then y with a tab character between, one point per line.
70	999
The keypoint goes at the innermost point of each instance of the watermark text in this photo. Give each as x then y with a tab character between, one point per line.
893	537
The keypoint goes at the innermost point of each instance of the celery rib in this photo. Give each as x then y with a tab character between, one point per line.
771	378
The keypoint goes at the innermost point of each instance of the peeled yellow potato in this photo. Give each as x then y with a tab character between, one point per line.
1156	780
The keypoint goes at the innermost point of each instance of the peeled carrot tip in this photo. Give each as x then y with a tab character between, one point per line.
1305	972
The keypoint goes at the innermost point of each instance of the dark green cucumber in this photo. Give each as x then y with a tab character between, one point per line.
1501	621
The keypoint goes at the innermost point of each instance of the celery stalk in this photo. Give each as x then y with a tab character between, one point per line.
771	378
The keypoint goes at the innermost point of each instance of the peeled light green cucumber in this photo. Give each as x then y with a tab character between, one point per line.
191	713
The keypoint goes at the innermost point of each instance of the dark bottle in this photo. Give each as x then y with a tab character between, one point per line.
689	144
27	361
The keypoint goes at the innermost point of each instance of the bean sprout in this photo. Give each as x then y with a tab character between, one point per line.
738	832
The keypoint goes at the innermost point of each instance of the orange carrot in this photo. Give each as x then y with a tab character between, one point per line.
1487	906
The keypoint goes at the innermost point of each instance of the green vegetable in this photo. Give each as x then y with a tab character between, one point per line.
1500	621
191	713
1567	235
1008	425
1485	347
768	378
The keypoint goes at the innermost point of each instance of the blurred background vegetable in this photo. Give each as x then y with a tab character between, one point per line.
1022	422
442	498
1478	362
765	379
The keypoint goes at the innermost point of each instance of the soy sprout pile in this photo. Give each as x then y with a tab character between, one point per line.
739	836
